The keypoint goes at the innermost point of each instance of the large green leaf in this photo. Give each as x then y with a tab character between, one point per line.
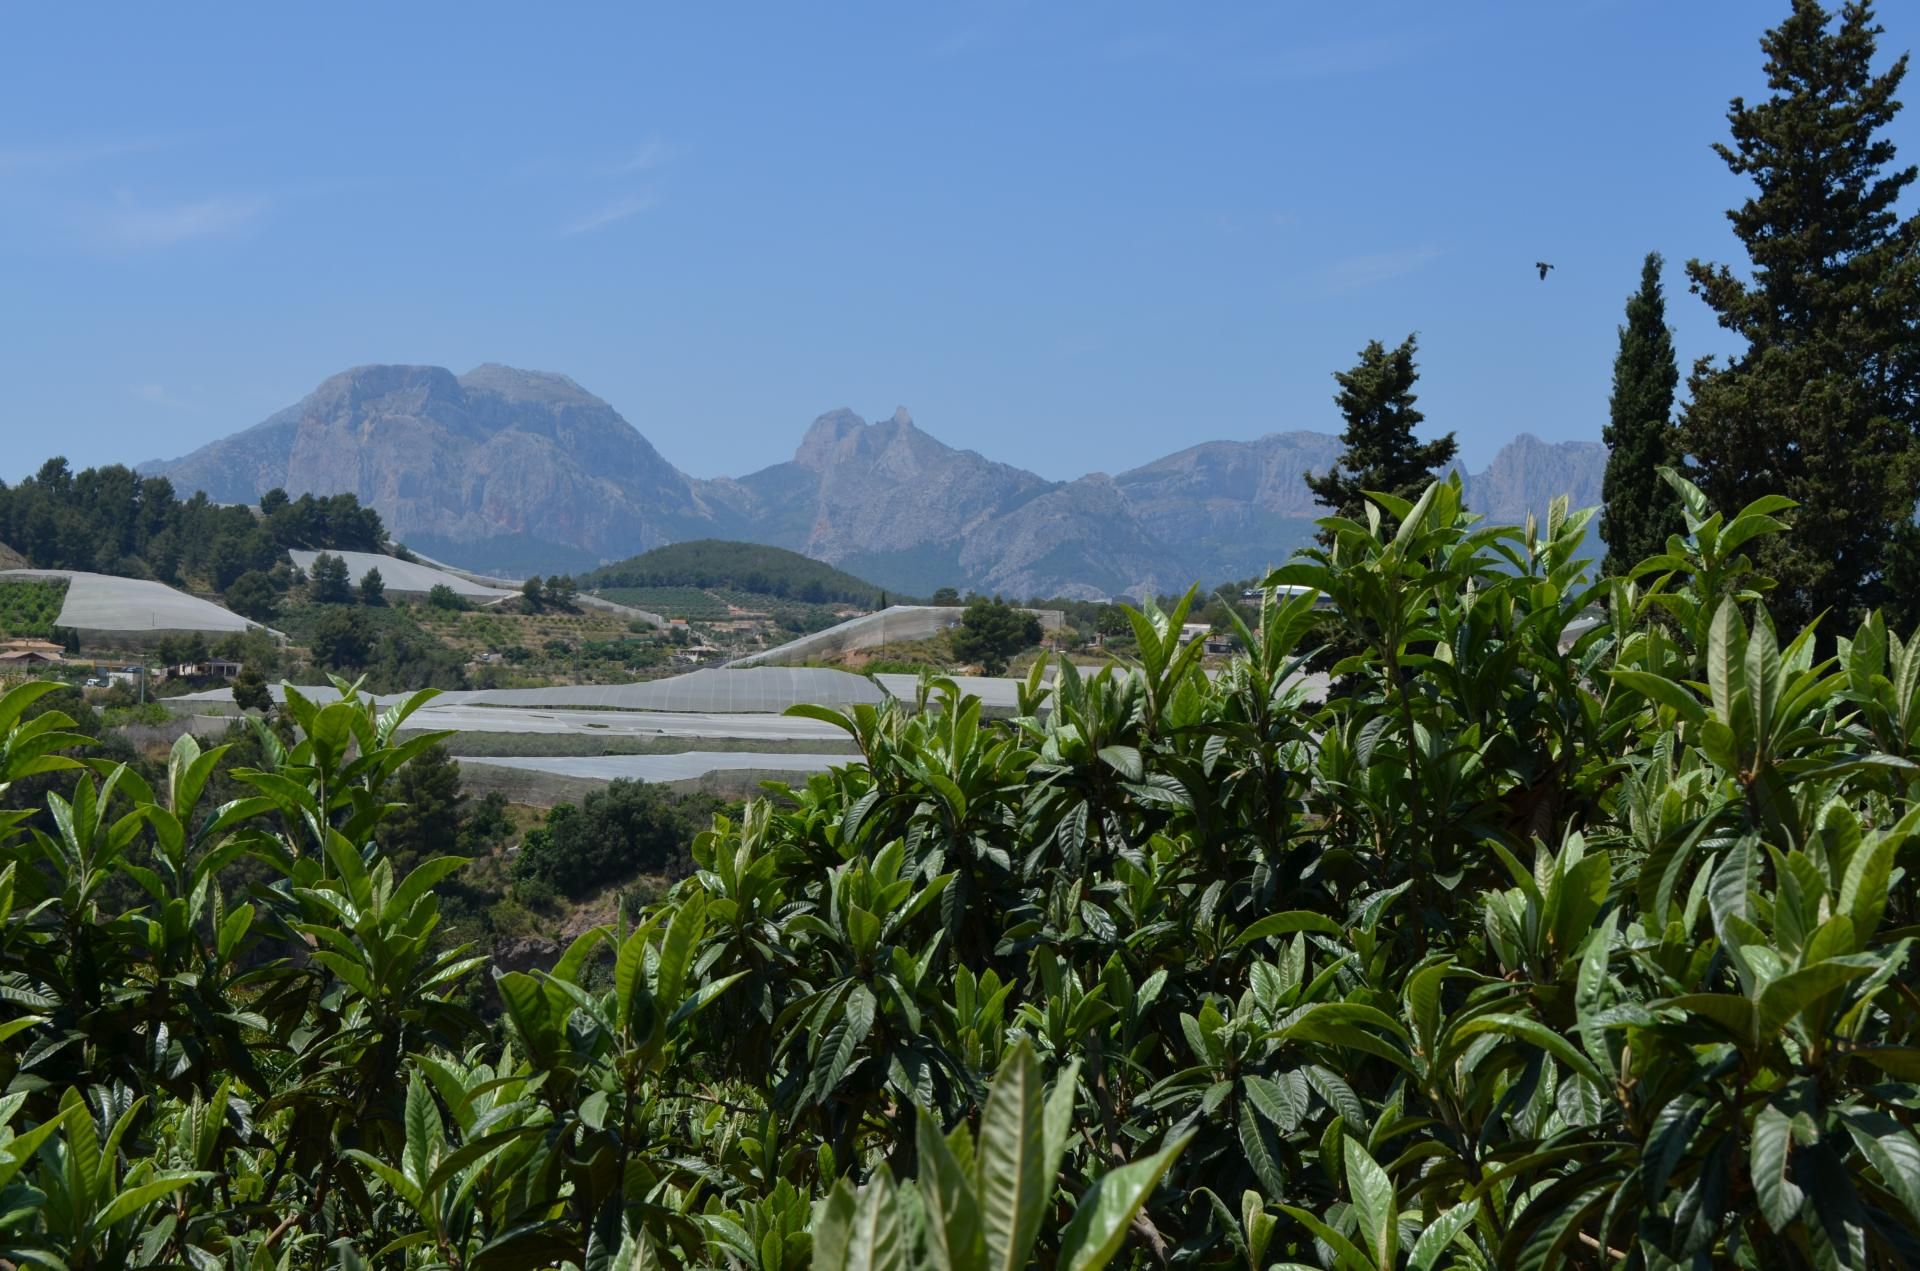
1442	1231
1100	1222
1373	1203
1771	1169
1009	1174
877	1236
956	1239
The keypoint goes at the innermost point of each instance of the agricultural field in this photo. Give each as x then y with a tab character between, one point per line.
691	603
447	648
30	607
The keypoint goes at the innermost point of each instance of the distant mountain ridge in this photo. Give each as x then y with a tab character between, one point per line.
525	471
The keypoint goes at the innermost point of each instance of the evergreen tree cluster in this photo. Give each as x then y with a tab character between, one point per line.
991	632
1823	403
1821	406
111	520
754	567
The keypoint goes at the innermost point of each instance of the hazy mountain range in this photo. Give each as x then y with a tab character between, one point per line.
525	471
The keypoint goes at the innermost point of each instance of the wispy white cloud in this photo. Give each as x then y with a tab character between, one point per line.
133	227
611	213
14	159
652	153
1374	268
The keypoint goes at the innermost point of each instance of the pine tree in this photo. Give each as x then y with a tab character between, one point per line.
1638	510
330	585
992	631
373	588
1823	405
1376	398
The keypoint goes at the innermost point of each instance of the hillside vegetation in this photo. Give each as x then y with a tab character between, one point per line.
29	607
112	520
1518	952
717	564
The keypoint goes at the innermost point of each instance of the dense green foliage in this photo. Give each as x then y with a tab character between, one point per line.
30	607
385	644
250	691
328	582
113	521
444	597
754	567
1636	516
1526	951
253	595
1376	399
629	828
1823	402
991	632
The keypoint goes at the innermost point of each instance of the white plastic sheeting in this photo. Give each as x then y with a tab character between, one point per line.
753	690
764	690
688	765
404	576
132	606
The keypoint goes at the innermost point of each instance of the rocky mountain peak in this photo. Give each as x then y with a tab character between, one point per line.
824	436
526	471
415	386
517	385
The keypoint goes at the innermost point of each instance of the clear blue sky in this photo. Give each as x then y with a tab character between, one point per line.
1069	236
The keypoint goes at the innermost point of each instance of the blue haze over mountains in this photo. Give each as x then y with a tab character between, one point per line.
527	472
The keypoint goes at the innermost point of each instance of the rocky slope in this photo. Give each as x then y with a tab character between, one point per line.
524	471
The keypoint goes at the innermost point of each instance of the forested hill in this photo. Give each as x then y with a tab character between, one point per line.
755	567
112	520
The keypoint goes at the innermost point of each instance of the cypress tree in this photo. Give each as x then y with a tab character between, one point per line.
1638	510
1821	404
1376	399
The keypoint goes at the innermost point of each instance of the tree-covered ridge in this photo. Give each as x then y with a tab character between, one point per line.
1526	951
752	567
112	520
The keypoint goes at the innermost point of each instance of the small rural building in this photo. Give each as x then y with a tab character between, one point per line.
18	654
211	669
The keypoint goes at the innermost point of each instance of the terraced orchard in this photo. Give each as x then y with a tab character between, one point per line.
30	607
1518	951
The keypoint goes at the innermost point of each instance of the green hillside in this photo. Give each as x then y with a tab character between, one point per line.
711	564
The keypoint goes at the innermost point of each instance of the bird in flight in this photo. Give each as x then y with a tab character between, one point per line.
1543	267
